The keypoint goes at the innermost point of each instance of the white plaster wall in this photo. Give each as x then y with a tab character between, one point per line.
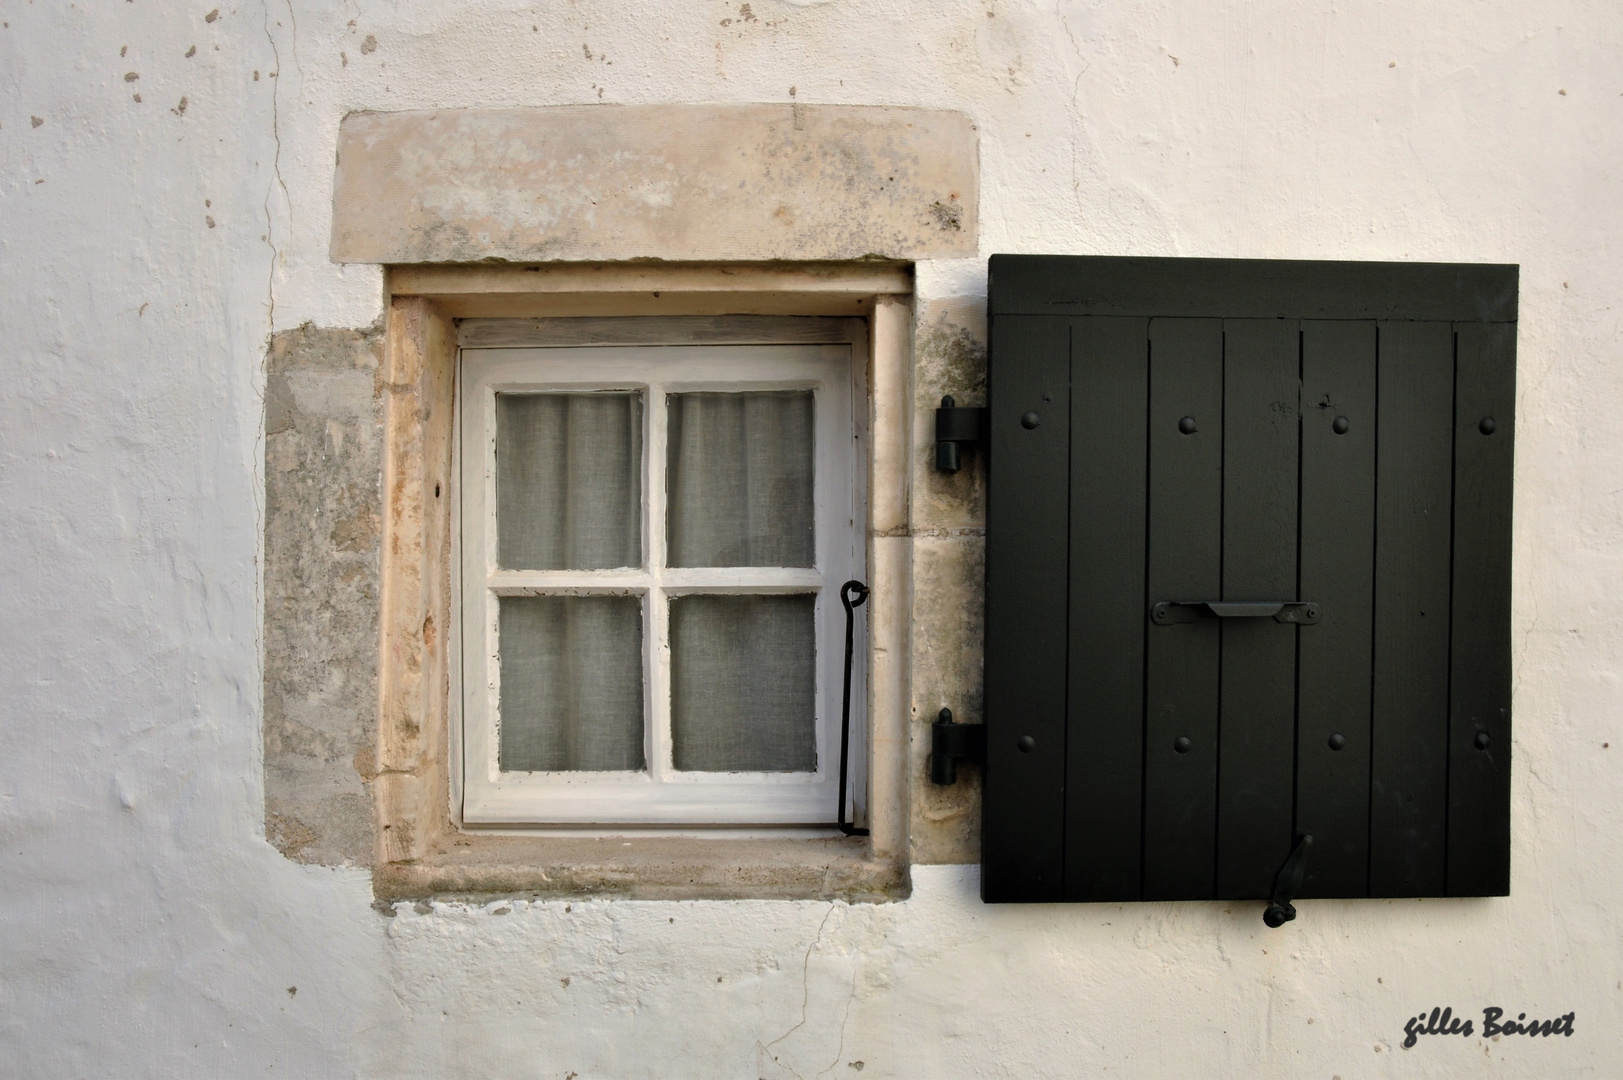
147	929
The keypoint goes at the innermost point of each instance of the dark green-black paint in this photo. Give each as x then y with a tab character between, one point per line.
1414	451
1338	571
1023	826
1248	431
1105	727
1184	562
1479	779
1256	756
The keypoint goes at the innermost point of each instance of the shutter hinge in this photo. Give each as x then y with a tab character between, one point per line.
954	428
949	742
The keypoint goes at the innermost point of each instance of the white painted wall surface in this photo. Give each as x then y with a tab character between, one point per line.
147	928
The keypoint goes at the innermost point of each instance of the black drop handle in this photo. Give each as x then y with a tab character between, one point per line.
1286	885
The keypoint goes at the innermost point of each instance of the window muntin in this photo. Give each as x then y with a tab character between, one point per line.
741	455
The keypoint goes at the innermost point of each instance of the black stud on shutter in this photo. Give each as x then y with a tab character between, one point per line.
1226	437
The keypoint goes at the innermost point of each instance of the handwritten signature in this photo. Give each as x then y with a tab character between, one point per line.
1444	1022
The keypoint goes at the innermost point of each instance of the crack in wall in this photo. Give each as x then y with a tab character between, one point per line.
276	171
805	996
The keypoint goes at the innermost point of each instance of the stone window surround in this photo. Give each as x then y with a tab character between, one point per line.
420	848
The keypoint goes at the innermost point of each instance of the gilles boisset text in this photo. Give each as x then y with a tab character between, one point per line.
1444	1022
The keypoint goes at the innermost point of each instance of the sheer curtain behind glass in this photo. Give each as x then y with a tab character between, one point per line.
568	481
571	683
569	497
743	668
744	683
740	479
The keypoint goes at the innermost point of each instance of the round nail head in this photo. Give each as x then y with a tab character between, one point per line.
1181	745
1029	421
1341	425
1187	425
1338	741
1025	744
1488	425
1481	740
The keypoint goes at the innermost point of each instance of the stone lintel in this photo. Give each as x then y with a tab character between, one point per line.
669	182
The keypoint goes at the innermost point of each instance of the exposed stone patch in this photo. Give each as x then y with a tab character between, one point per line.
949	575
323	463
949	359
949	571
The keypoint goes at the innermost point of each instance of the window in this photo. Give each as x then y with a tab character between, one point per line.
444	828
653	542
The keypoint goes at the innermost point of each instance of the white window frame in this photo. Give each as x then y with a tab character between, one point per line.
661	796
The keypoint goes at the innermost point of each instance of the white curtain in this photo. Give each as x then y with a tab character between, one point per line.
571	683
743	683
740	479
568	481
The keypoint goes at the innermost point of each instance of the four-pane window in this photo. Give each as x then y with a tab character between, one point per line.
653	541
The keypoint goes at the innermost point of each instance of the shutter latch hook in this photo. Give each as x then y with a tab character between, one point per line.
1286	885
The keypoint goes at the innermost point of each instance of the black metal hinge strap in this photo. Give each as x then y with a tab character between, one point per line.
950	742
1169	612
955	427
853	594
1287	883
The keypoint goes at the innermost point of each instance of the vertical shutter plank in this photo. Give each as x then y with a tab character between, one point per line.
1026	554
1257	724
1479	778
1413	526
1105	738
1184	563
1338	567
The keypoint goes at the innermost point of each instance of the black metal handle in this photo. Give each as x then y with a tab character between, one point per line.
853	594
1300	612
1287	883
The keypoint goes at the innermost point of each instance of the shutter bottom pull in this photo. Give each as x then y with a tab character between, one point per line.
1286	884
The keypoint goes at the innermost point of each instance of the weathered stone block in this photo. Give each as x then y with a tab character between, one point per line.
323	456
674	182
949	580
950	359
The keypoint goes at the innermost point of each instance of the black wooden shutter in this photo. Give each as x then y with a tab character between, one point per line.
1231	431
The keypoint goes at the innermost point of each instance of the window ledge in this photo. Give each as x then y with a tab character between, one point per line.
648	868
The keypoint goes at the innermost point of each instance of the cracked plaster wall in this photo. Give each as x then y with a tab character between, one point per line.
147	927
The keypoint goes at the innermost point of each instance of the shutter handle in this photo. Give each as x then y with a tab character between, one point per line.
1286	885
1168	612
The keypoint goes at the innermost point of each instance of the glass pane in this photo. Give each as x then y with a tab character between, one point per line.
740	479
571	689
744	683
568	481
